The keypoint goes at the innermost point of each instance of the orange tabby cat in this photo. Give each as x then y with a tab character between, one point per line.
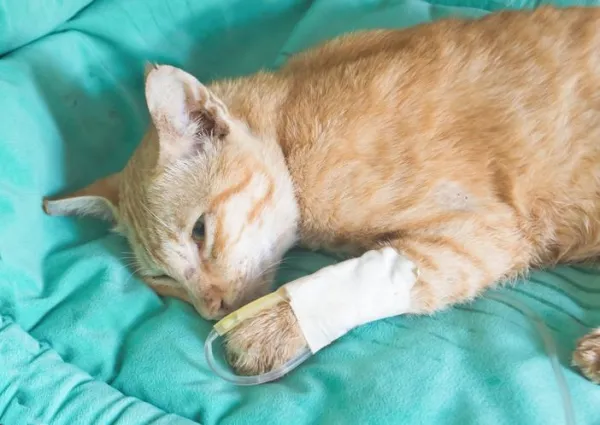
472	147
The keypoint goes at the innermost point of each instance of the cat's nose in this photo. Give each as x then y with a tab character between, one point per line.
225	308
213	309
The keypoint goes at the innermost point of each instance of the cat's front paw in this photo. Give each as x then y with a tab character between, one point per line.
264	342
587	356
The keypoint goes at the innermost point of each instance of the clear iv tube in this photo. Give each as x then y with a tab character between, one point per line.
550	348
254	379
236	318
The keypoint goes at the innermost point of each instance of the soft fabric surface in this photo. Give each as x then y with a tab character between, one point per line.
82	341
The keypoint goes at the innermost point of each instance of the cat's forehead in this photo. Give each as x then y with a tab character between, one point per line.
161	200
159	205
149	183
154	228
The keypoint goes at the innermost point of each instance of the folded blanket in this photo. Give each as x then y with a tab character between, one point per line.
25	20
83	341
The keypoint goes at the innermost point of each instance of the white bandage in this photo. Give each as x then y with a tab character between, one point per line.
340	297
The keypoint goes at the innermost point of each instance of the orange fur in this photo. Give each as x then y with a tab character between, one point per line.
471	146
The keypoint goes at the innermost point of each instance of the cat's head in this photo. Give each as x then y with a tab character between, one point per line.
207	206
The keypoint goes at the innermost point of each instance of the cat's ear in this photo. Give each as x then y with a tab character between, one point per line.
100	200
185	113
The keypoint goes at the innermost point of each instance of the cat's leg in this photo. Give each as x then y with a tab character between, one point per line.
587	356
322	307
455	264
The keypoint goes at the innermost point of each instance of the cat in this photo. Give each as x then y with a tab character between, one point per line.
470	146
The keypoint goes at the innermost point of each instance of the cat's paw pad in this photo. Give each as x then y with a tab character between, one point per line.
264	342
587	356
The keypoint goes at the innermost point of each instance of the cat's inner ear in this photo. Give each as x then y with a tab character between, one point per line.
186	114
100	200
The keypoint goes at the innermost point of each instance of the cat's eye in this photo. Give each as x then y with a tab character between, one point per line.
162	278
198	231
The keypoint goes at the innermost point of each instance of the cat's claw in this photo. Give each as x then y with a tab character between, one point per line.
264	342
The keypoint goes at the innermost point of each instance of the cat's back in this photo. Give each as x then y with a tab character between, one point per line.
557	30
508	57
509	54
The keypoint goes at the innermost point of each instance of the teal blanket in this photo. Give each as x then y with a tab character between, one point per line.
83	341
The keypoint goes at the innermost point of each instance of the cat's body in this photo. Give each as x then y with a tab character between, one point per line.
471	147
419	127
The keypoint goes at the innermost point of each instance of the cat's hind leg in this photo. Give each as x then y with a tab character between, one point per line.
587	356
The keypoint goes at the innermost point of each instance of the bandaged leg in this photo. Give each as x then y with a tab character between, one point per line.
338	298
310	313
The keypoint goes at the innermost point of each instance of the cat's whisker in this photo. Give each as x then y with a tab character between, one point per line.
152	214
